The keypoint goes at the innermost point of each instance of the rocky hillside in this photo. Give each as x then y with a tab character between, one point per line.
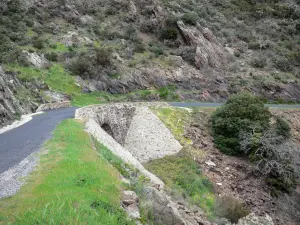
151	50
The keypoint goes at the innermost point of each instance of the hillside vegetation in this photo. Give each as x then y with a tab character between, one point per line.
170	50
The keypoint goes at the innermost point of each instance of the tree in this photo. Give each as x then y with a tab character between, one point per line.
241	113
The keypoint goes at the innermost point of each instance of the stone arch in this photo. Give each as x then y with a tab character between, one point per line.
107	129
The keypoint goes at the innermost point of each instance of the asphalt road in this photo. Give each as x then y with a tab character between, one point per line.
18	143
207	104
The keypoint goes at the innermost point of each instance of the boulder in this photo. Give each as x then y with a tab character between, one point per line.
130	203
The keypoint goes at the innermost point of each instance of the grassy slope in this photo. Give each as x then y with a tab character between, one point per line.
180	172
72	185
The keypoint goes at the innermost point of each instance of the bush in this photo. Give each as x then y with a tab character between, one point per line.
190	18
282	64
275	156
231	208
259	62
139	47
103	56
52	56
81	65
131	34
283	128
241	113
172	21
157	50
168	33
39	44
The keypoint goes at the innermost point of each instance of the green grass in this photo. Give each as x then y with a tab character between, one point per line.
73	184
55	77
175	119
57	47
180	172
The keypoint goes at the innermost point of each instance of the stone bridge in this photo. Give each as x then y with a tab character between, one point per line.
130	130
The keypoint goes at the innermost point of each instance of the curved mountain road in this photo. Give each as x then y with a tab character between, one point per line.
20	142
210	104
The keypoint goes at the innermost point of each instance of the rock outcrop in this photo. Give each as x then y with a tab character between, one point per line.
34	59
11	91
208	51
55	105
253	219
130	203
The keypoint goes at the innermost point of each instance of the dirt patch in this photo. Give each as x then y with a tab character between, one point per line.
236	176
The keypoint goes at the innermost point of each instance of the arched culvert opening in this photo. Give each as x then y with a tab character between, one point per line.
107	129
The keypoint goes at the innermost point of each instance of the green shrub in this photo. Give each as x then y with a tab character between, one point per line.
131	34
163	92
171	21
81	65
190	18
259	62
283	128
168	33
241	113
282	64
231	208
103	56
157	50
52	56
39	44
139	47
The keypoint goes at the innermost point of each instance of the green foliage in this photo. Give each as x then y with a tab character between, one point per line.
131	34
190	18
12	29
139	47
38	43
80	185
55	77
81	65
103	56
231	208
167	92
259	62
52	56
111	158
282	127
241	113
156	49
282	63
168	33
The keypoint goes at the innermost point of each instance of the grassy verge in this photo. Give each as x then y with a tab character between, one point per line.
180	172
72	185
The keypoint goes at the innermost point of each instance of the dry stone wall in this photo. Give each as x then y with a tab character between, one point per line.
135	127
148	138
131	131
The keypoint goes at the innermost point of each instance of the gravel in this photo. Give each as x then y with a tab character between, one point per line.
11	180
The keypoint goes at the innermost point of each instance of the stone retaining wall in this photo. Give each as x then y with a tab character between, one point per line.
55	105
